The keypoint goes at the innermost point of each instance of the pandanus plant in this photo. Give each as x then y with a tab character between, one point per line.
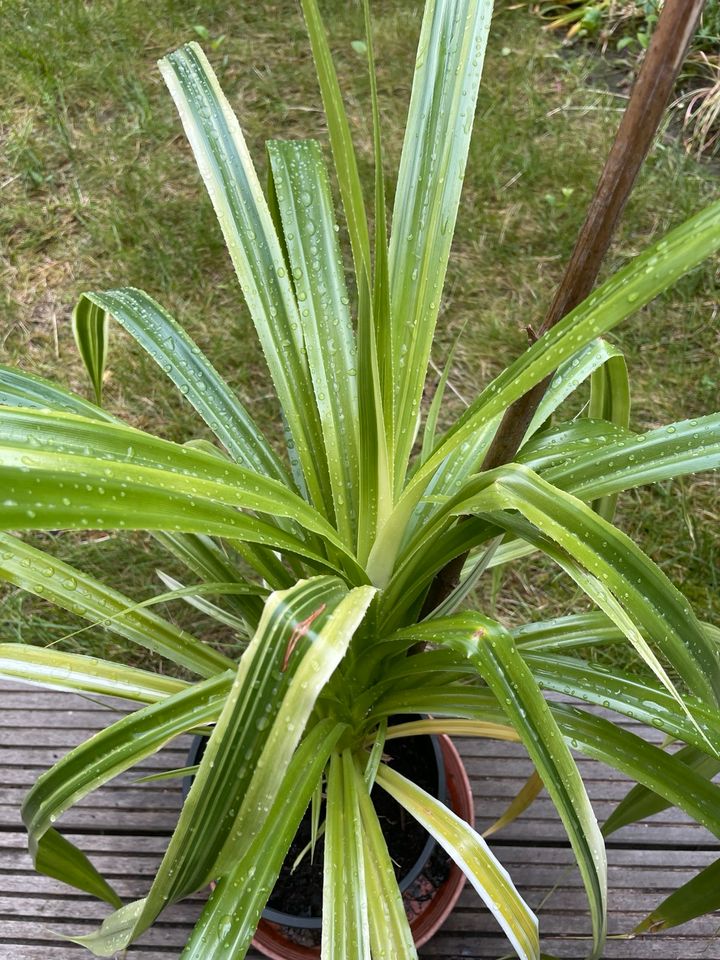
348	615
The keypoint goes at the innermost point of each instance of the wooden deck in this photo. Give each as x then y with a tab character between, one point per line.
124	829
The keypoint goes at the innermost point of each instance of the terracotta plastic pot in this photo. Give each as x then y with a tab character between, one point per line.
429	914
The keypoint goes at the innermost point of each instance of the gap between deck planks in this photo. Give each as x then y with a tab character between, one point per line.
125	826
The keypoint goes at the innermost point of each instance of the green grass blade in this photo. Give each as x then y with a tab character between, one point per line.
474	857
191	372
242	211
304	201
230	917
515	687
90	329
432	165
60	583
72	671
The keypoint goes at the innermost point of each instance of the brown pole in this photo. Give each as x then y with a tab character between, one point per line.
651	92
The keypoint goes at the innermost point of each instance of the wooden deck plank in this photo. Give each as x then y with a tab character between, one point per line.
124	829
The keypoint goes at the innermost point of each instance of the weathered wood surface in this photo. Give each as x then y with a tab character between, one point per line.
125	826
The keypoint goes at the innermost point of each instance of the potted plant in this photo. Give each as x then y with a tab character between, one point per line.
330	558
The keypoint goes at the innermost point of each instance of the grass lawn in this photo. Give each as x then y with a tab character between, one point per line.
99	189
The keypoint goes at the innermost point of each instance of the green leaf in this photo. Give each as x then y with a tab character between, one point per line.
627	291
688	446
303	635
474	857
618	576
340	141
18	388
515	688
518	805
242	211
591	735
194	596
43	575
568	378
138	482
61	860
191	372
633	696
390	934
115	449
345	930
229	919
432	165
698	896
105	755
610	401
90	329
559	633
302	189
640	802
72	671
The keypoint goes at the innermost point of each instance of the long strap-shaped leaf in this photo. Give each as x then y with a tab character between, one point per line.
627	291
18	388
114	504
591	735
227	924
302	189
432	165
514	686
697	897
182	467
345	929
340	141
183	362
467	848
572	631
634	585
102	757
390	934
60	583
301	638
242	211
688	446
640	802
634	696
90	329
72	671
